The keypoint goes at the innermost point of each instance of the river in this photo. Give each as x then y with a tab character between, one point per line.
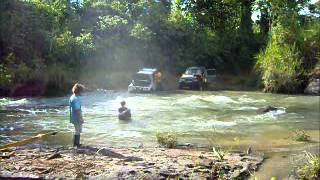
223	118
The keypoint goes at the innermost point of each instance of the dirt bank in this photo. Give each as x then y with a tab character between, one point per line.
124	163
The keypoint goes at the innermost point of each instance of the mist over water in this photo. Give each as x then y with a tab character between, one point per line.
196	117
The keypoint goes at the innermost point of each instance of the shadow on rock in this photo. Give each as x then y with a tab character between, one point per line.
105	152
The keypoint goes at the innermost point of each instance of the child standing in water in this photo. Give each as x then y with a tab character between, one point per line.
76	117
124	112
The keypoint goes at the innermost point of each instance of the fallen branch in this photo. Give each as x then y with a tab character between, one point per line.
26	141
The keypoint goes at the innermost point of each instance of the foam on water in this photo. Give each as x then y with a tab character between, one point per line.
220	99
245	99
34	112
278	112
244	108
262	118
8	102
220	123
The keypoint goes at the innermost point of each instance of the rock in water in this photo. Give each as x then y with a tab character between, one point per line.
267	109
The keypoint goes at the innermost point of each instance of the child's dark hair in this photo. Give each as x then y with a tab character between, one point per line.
78	88
123	103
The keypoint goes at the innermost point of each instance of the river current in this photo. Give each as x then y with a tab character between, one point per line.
226	118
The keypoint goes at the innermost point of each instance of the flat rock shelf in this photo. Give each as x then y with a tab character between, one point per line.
125	163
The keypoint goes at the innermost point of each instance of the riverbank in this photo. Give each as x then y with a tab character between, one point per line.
124	163
120	81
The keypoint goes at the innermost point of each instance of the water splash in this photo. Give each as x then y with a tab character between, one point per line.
9	102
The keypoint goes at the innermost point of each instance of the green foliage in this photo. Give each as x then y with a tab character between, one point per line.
290	52
93	39
280	66
22	72
168	140
300	135
311	170
111	23
140	31
5	76
309	43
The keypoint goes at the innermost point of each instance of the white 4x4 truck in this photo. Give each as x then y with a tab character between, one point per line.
145	80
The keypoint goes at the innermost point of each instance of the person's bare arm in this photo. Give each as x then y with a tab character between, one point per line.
79	114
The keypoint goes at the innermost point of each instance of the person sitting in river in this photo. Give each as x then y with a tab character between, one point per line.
124	112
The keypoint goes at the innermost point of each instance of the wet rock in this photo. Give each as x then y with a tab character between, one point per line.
190	165
45	171
130	163
184	145
54	156
7	155
133	159
167	173
206	163
201	170
267	109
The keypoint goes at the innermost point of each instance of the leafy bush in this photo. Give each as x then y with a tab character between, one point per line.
5	76
311	170
280	65
168	140
309	43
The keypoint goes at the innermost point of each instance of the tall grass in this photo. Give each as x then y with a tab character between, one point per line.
291	53
311	170
280	65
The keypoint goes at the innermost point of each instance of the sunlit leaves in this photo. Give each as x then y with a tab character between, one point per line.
85	42
280	63
68	47
111	23
140	31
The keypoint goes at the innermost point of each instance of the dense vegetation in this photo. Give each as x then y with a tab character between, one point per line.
46	45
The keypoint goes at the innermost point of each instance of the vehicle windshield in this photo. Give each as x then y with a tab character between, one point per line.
142	80
193	71
211	72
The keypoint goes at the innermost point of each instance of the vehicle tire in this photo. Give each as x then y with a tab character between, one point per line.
180	86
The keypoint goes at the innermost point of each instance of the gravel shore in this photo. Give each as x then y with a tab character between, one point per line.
125	163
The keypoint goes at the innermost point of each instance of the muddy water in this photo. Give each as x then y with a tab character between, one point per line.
228	119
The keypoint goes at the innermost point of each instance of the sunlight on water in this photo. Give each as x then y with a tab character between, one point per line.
192	115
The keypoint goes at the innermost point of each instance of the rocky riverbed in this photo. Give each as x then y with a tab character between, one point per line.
125	163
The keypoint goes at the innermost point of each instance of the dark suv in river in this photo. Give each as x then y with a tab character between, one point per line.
196	78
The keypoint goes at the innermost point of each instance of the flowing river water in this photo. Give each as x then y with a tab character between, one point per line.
229	119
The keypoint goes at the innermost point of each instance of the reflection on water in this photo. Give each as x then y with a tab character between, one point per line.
194	116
